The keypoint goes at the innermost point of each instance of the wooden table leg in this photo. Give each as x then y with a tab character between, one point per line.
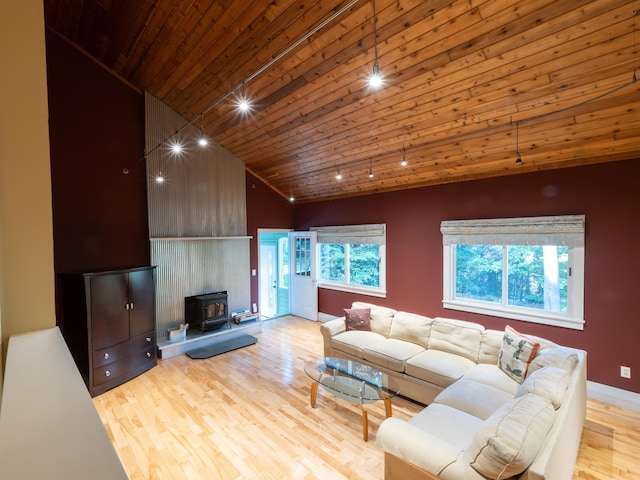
387	406
365	423
314	393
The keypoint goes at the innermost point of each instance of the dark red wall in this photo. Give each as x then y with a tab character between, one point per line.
608	196
96	128
265	209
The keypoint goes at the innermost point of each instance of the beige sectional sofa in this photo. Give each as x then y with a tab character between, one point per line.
500	404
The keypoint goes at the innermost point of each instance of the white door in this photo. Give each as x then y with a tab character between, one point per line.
267	286
302	268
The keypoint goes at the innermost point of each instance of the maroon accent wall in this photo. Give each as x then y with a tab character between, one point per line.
608	196
265	209
96	128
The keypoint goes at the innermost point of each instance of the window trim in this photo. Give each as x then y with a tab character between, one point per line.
557	230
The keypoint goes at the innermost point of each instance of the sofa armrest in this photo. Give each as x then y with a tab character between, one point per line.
330	329
333	327
415	446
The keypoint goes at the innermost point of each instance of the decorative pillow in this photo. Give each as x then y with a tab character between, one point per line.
560	357
548	382
510	439
516	354
358	318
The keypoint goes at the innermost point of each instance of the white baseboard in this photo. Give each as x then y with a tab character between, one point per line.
614	396
325	317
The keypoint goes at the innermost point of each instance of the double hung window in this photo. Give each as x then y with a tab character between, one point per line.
352	258
529	269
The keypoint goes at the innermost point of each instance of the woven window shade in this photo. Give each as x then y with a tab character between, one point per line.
567	230
352	234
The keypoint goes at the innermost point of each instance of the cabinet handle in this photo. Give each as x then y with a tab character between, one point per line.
126	306
148	354
106	356
131	305
148	339
107	373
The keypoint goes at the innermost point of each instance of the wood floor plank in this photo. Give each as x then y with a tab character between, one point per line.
245	414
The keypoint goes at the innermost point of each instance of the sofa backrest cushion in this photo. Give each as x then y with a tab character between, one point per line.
381	317
490	346
548	382
510	439
456	336
560	357
411	327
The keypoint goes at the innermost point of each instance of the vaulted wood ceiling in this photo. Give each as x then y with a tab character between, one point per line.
466	83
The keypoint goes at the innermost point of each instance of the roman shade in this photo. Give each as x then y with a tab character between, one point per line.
352	234
567	230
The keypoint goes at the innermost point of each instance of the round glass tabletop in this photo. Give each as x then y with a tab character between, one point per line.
352	381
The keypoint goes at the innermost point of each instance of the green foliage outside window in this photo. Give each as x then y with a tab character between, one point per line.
356	264
536	276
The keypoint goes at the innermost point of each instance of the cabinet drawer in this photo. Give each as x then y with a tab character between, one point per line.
114	370
117	352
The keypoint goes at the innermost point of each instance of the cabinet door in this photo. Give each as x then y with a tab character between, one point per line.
142	300
109	313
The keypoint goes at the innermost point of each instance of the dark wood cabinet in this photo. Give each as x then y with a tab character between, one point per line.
108	321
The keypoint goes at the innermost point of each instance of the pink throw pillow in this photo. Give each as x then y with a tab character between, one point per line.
358	318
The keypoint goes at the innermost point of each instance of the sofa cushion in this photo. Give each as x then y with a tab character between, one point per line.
381	317
391	353
411	328
357	319
548	382
492	375
560	357
474	398
490	346
447	423
438	367
456	336
516	354
354	342
509	440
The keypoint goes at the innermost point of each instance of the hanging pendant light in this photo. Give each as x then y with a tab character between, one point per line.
375	79
518	156
404	162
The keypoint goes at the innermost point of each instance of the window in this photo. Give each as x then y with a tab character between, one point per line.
529	269
352	258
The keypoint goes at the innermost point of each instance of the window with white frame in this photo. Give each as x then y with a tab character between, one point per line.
529	269
352	258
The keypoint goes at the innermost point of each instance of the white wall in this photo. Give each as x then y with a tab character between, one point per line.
26	225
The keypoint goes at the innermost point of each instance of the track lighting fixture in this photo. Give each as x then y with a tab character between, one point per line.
375	79
176	148
370	169
338	174
203	141
243	102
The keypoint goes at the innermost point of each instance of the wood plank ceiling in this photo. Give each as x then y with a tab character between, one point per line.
466	83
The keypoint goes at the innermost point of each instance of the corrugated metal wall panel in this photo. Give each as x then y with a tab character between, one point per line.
193	267
203	195
204	189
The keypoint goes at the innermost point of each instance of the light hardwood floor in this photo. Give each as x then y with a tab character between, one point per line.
246	415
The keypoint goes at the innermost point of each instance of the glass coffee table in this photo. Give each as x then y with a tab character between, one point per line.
353	382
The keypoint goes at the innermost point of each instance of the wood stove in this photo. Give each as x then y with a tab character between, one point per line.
207	311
